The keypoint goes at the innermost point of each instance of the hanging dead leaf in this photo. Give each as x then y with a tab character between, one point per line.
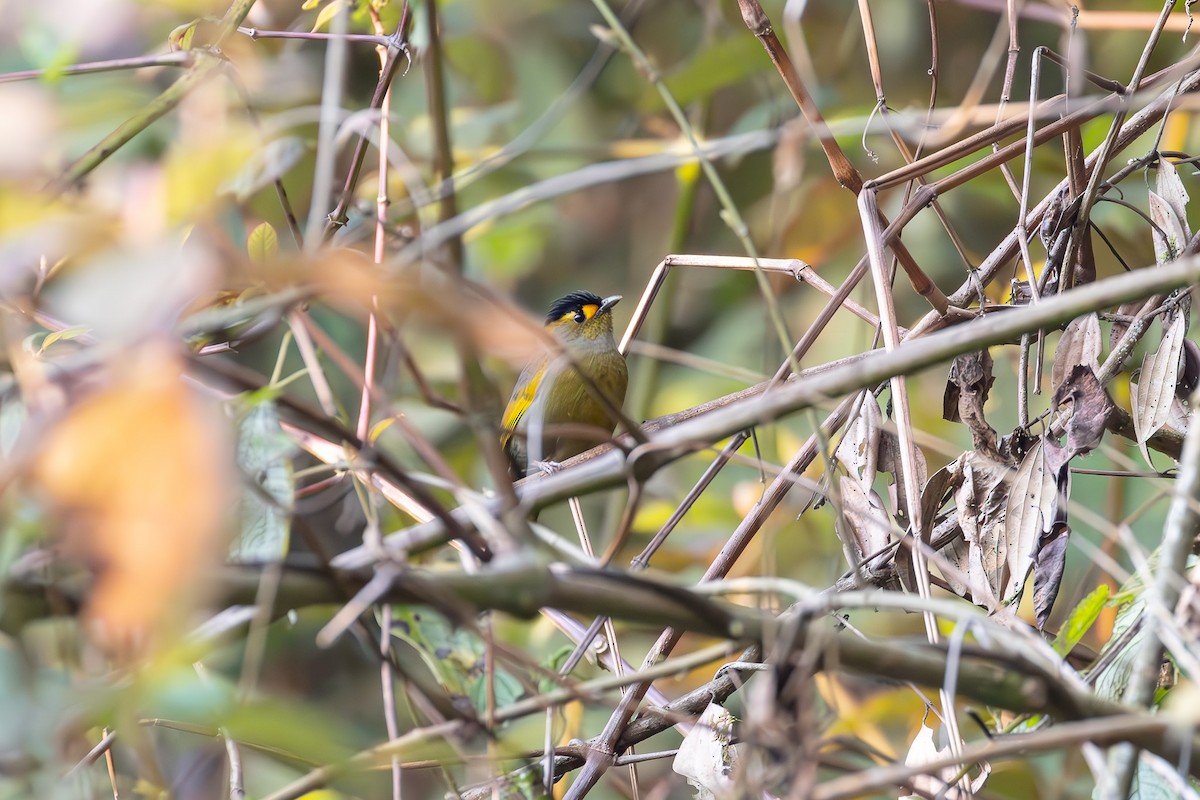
958	554
1171	190
940	488
1048	571
967	388
865	522
980	505
889	461
1151	402
1189	370
1078	345
940	783
1170	233
1125	313
948	535
1058	465
1030	512
858	451
138	470
1053	221
1090	409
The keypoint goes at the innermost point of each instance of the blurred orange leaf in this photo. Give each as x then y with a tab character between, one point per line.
138	471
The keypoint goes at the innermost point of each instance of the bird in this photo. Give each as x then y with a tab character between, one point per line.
551	406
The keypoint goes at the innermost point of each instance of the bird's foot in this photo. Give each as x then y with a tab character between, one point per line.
544	467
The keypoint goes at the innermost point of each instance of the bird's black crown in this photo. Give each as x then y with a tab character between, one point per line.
570	303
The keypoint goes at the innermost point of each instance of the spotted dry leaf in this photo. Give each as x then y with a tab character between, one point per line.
1168	211
858	452
1078	345
967	388
865	522
889	462
1152	396
1090	408
980	502
1048	569
1029	514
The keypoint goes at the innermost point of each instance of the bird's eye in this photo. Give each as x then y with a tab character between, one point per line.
580	317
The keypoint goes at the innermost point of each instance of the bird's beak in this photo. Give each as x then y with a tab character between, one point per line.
608	303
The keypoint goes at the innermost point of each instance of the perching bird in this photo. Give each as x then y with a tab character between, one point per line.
551	408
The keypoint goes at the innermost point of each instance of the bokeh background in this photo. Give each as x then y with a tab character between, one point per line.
569	172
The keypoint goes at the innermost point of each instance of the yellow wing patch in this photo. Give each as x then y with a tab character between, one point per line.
521	400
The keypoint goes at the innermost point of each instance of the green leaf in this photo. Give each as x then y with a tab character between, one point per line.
1081	619
295	729
1148	784
454	655
1132	599
507	688
263	243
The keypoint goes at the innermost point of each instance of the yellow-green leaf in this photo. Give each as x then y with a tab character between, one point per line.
378	428
327	13
1081	619
263	243
65	335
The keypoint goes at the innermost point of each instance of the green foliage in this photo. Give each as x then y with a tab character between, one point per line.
1081	619
456	658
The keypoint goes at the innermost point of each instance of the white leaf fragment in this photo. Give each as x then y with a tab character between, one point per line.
707	756
923	751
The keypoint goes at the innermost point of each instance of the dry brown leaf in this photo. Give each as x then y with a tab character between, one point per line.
1078	345
1168	210
889	461
1189	370
1048	570
967	388
858	451
1170	188
866	524
980	504
958	554
1168	243
940	487
1051	549
139	471
1030	513
1090	409
1151	402
1119	327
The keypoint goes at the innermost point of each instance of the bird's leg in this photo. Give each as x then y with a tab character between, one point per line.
544	467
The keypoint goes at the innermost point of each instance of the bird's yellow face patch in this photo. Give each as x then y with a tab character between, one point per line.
588	311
